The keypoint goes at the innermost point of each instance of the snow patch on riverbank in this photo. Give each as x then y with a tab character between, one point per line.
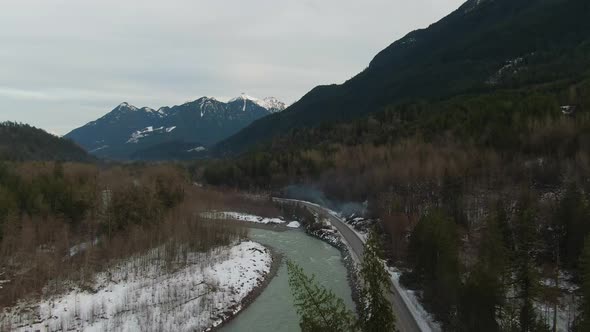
147	293
241	217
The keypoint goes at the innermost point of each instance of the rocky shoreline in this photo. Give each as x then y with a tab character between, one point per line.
334	239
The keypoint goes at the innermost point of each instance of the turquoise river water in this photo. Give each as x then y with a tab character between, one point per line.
273	310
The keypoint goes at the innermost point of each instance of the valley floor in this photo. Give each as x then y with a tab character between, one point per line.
192	292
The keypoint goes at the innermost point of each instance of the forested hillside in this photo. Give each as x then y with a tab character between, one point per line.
474	159
478	48
20	142
482	198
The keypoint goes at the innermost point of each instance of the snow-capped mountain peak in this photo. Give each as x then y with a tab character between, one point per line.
270	103
205	100
126	106
160	112
244	96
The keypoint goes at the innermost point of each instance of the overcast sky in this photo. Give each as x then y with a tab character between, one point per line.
64	63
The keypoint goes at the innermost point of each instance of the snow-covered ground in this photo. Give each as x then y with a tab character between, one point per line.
294	224
567	308
81	247
147	293
248	218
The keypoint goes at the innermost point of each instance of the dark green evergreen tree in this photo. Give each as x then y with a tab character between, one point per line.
570	220
319	309
483	292
434	256
377	315
526	275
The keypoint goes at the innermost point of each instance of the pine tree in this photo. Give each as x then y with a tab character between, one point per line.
377	315
8	205
527	279
569	221
434	257
319	309
483	292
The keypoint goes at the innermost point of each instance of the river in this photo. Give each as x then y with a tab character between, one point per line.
273	310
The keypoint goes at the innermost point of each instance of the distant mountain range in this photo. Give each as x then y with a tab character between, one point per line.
178	132
21	142
483	46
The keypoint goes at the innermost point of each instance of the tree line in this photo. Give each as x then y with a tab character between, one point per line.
61	223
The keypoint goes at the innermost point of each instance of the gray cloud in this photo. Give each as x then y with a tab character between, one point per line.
66	62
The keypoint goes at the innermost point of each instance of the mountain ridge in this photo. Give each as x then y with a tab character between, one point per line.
22	142
453	56
127	129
